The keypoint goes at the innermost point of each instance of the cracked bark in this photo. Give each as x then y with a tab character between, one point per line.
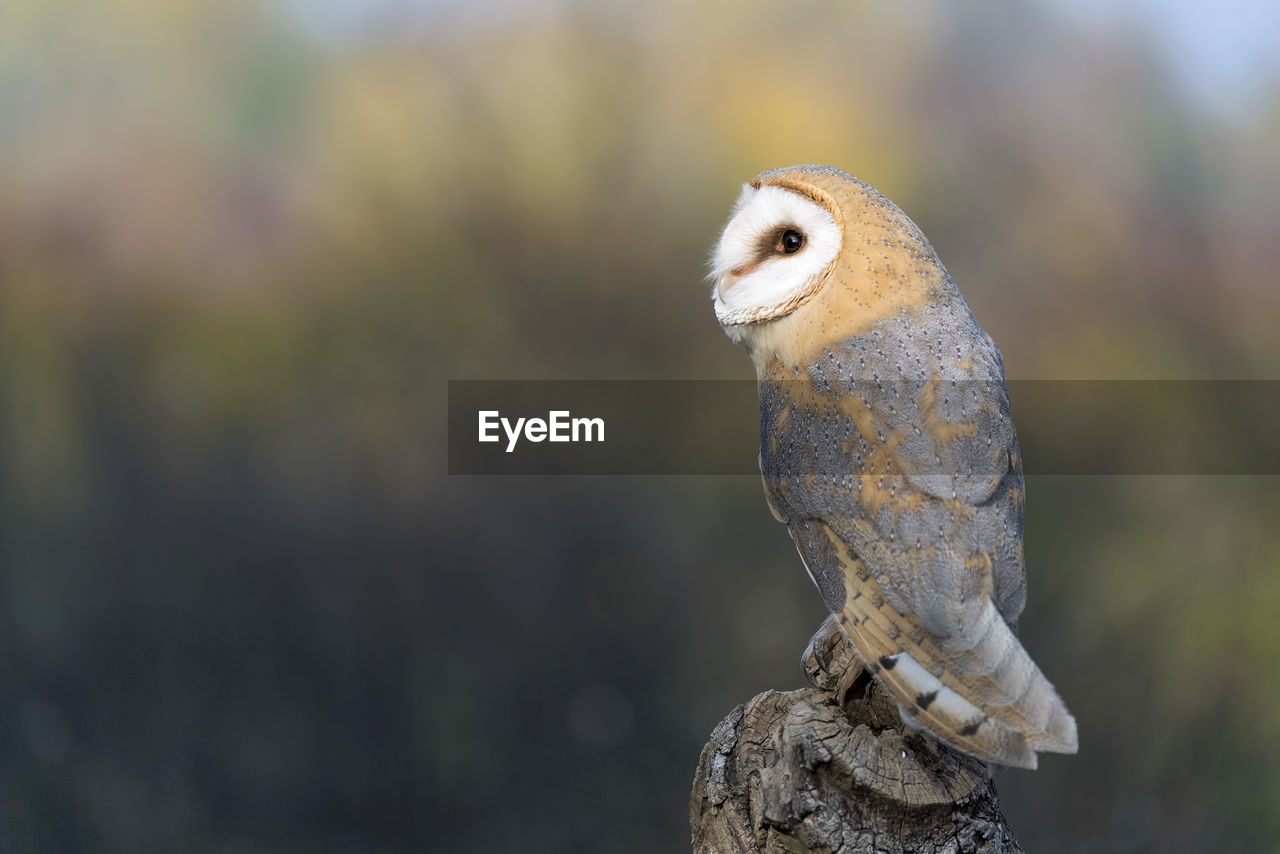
832	768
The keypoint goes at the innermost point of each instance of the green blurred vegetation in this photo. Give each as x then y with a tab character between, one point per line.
241	251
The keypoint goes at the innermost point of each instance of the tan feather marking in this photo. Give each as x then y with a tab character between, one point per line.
799	396
980	565
880	487
1016	495
799	390
859	412
959	509
944	432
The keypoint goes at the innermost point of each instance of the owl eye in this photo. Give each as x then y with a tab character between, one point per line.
791	242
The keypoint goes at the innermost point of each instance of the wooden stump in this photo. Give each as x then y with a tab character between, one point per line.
832	768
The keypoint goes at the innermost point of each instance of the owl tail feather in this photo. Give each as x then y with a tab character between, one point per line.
988	699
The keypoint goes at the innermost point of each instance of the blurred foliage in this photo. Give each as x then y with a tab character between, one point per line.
243	245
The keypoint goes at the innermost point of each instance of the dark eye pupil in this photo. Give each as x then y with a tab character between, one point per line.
792	240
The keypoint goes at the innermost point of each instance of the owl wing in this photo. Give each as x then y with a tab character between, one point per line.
905	503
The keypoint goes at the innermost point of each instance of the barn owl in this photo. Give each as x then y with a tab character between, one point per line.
888	450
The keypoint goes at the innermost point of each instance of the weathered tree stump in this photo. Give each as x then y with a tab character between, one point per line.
833	768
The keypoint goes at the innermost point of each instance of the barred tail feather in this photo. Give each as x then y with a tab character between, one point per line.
978	689
929	704
990	700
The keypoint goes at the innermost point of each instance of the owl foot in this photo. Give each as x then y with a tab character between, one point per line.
829	662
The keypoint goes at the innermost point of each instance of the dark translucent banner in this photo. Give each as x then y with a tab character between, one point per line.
713	427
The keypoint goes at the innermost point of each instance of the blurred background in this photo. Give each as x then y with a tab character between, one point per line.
244	245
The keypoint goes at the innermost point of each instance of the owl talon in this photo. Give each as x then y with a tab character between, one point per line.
829	661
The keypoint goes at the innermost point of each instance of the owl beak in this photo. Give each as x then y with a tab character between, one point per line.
732	277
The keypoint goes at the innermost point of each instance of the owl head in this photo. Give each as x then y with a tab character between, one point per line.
812	255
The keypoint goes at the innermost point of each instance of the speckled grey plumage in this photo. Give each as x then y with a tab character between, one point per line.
952	497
